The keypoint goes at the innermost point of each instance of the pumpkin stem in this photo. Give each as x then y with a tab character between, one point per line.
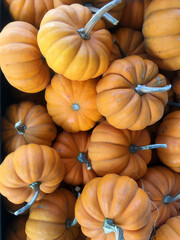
133	148
70	223
82	157
168	199
20	128
123	54
36	187
174	104
85	32
108	16
141	89
75	107
109	227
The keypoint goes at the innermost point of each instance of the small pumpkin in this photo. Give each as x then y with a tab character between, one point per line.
130	41
29	11
129	93
30	172
112	150
20	58
170	230
72	104
169	133
113	206
25	123
68	46
73	150
52	217
16	228
162	187
162	33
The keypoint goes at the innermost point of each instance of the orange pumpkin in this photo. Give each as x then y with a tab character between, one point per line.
130	41
170	230
30	167
16	229
133	13
73	150
52	217
72	104
169	133
94	5
162	33
114	205
78	55
25	123
20	58
120	98
29	11
112	150
162	187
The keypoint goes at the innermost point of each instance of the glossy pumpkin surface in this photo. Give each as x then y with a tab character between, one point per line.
28	164
121	104
20	58
72	104
25	123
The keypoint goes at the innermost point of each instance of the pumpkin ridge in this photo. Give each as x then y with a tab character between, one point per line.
158	10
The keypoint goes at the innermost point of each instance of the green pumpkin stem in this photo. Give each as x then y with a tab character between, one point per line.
173	104
141	89
133	148
123	54
20	128
109	227
168	199
82	157
107	16
85	32
36	187
70	223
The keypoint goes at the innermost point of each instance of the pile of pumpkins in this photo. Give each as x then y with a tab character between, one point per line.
98	88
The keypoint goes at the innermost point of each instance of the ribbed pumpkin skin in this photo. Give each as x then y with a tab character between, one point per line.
62	94
16	229
131	42
118	101
69	146
169	133
38	124
47	219
133	13
117	198
159	182
109	151
28	164
64	49
170	230
29	11
115	12
20	58
162	33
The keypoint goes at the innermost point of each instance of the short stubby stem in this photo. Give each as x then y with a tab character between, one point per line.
36	187
142	89
20	128
123	54
134	148
70	223
82	157
85	32
75	107
168	199
107	16
110	227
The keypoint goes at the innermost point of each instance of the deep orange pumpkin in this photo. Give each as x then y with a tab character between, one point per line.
160	183
51	217
73	150
20	58
25	123
72	104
